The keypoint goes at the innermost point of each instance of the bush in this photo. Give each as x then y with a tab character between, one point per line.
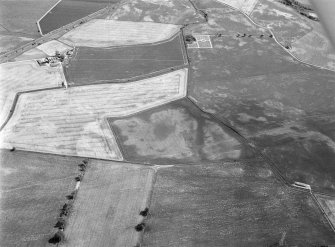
139	227
57	238
60	224
144	212
65	211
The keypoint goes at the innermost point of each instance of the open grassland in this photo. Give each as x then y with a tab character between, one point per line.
315	48
178	132
164	11
24	76
95	65
286	108
108	205
71	122
225	22
245	6
284	21
306	39
105	33
68	11
33	187
231	204
328	205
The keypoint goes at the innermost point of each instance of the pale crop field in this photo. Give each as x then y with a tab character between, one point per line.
245	6
108	205
105	33
72	121
23	76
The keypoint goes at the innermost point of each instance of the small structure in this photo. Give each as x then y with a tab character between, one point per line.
202	41
302	186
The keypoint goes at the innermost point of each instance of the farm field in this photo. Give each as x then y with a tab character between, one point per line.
306	38
208	4
96	65
71	122
67	11
234	56
257	88
172	11
24	76
245	6
33	189
328	205
215	205
227	22
174	133
9	42
181	123
284	21
108	205
315	48
27	12
20	28
106	33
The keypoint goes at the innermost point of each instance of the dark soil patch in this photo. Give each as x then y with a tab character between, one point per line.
177	132
94	65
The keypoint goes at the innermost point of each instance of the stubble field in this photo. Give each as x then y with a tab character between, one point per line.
33	189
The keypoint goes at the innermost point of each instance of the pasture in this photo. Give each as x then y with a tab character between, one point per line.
171	12
279	104
108	205
33	188
328	205
231	204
